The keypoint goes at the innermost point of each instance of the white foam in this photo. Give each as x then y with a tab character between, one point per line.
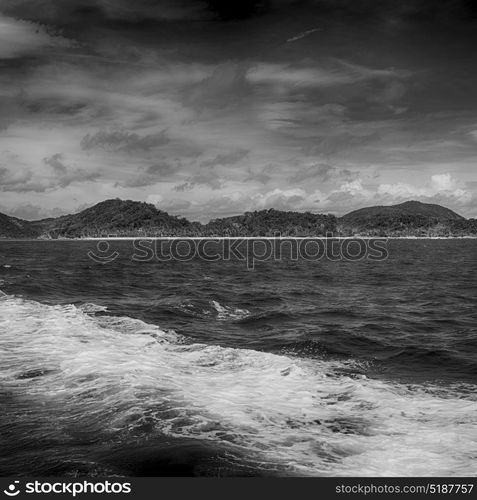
119	374
92	308
227	312
212	309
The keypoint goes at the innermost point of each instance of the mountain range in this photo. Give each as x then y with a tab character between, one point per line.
117	217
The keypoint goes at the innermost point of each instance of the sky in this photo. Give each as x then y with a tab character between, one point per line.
210	108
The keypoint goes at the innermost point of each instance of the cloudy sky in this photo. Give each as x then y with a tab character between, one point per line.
209	108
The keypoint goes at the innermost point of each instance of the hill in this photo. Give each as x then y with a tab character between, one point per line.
411	218
408	208
11	227
271	223
116	217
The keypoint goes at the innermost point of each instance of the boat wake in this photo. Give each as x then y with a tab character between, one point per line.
74	375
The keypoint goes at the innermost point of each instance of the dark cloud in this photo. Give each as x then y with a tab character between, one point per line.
153	174
161	168
77	12
56	163
226	87
263	175
226	158
64	175
238	9
226	10
54	106
78	175
24	180
122	140
12	181
185	186
12	109
323	173
297	96
207	177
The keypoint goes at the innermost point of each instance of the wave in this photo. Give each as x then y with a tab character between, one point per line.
116	378
428	357
227	312
210	309
91	308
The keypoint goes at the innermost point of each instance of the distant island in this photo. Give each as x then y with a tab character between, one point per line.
120	218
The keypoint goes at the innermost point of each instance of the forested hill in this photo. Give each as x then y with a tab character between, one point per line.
271	223
115	218
411	218
408	208
11	227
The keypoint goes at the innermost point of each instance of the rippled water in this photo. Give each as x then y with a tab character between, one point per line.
208	368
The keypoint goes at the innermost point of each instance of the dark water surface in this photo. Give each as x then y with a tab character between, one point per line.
210	368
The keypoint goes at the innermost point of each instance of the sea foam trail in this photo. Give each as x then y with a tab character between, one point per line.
117	378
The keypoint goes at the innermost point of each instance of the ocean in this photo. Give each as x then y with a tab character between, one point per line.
213	368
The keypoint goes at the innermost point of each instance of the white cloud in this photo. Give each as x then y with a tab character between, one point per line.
281	198
443	182
281	74
473	134
439	184
354	188
400	190
155	199
302	35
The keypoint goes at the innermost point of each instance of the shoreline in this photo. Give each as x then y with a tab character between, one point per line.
221	238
